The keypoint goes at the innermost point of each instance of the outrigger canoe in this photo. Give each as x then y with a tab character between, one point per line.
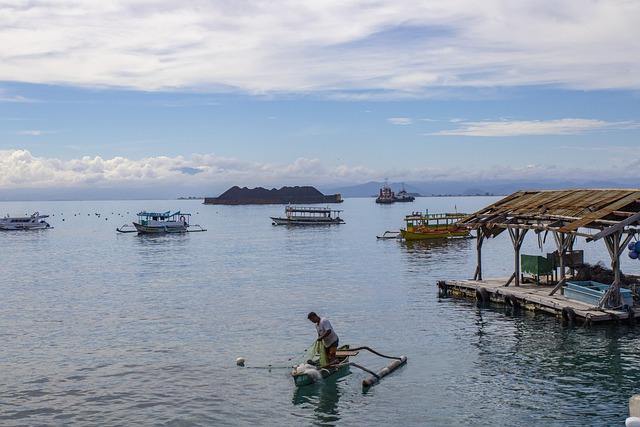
309	373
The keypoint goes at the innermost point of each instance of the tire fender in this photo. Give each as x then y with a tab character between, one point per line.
482	295
568	314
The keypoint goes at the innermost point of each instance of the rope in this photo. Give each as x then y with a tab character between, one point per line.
375	352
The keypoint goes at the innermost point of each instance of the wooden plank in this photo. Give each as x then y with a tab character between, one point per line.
345	353
608	231
601	213
536	298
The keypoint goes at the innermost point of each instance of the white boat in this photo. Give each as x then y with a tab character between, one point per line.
161	222
33	222
308	216
403	196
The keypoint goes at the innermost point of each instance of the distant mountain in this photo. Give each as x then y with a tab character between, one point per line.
467	188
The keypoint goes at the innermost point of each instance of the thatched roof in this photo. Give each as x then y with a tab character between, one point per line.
590	213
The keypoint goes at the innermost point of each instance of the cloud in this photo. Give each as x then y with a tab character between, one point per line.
404	48
400	120
31	132
535	127
209	174
20	169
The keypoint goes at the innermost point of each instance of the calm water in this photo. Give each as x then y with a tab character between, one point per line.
109	329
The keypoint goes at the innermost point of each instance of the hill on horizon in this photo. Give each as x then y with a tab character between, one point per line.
465	188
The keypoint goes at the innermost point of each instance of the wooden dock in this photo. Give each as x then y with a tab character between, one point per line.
534	297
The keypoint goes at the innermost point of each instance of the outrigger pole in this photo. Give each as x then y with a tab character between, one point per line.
399	361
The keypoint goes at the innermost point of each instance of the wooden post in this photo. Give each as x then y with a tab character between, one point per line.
615	248
517	237
479	239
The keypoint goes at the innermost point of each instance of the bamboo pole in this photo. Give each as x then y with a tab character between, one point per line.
384	372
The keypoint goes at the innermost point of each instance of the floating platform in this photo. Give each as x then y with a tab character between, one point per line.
535	297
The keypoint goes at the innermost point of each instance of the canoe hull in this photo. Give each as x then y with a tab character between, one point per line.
145	229
409	235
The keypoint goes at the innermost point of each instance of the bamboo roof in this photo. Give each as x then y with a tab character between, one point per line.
590	213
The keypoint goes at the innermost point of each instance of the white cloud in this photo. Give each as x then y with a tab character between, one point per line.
31	132
399	46
210	174
400	120
534	127
20	169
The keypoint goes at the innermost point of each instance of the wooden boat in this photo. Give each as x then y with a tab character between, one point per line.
308	216
433	226
33	222
307	373
390	235
161	223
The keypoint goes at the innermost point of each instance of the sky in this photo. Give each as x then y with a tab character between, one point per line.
192	97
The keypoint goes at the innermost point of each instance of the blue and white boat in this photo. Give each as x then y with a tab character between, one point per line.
161	222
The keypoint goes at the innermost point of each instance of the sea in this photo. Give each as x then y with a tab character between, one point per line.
101	328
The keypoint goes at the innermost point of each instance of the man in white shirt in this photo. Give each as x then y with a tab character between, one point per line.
326	334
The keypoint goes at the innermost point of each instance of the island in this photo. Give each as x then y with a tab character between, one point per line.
261	196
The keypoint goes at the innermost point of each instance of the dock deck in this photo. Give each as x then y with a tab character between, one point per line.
534	297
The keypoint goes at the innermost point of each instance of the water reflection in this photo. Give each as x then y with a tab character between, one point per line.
438	247
591	371
452	257
323	397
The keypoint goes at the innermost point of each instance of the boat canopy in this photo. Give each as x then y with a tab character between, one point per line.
163	215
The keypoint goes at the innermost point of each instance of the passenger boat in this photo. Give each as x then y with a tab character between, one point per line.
296	215
308	373
161	222
33	222
433	226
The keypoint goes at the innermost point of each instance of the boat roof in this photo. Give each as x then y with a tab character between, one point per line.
444	215
311	209
606	211
162	214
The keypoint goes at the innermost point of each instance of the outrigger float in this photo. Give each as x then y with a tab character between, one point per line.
314	371
161	223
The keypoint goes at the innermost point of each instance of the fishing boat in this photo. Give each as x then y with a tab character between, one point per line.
421	226
161	222
310	373
296	215
33	222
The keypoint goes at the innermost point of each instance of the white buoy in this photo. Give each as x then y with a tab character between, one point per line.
632	422
240	361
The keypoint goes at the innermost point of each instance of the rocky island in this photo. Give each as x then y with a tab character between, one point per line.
261	196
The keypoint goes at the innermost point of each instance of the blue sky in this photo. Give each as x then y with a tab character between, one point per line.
197	96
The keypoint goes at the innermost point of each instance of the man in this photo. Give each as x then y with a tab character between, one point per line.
326	334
